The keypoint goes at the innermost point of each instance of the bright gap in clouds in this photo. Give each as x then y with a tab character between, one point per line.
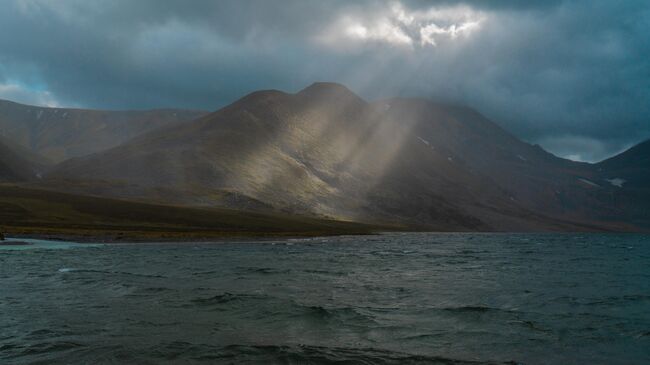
20	93
398	26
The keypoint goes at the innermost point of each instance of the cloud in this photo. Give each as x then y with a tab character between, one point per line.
579	148
543	69
21	94
398	26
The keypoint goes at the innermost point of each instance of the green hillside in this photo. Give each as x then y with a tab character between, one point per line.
26	211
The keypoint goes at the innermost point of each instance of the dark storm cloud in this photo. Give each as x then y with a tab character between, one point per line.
571	75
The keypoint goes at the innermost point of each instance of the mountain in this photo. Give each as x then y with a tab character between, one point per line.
630	168
59	133
629	174
17	164
325	151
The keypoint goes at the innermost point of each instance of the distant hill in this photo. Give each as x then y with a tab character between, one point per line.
61	133
325	151
17	164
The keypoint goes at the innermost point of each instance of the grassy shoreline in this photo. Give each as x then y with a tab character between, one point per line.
27	212
164	237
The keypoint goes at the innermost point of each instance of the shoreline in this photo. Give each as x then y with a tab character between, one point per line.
171	239
248	237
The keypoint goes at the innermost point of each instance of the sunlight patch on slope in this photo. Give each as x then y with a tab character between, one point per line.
326	149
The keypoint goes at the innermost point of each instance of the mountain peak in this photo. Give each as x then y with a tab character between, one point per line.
636	155
328	89
268	94
643	145
322	85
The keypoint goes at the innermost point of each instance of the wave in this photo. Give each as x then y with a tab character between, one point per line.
475	309
254	270
279	309
156	289
643	334
49	347
345	314
304	354
475	312
48	333
73	270
324	272
228	298
263	270
603	301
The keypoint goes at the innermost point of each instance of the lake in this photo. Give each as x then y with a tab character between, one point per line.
413	298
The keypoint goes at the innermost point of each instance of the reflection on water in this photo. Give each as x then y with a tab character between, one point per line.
392	299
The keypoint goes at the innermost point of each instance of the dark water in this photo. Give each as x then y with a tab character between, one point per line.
396	299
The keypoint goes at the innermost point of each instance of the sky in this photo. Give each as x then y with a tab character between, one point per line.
572	76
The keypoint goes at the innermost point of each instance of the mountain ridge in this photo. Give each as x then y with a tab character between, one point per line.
62	133
325	151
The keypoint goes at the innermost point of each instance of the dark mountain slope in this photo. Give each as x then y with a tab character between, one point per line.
325	151
59	133
17	164
630	168
629	175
